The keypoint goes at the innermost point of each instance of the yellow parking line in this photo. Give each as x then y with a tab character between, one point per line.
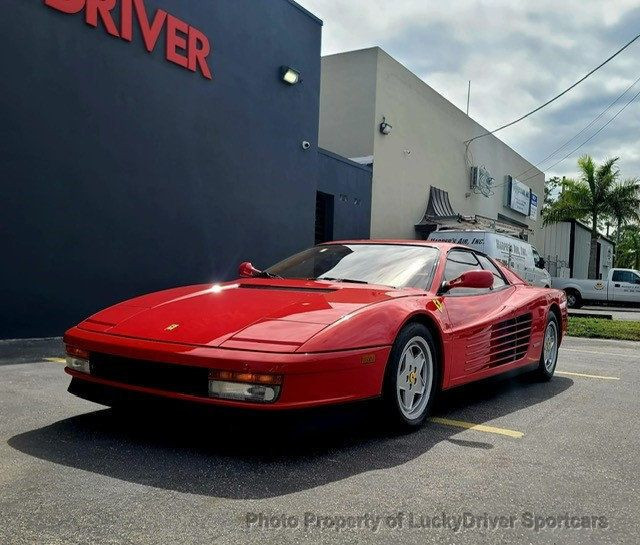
586	375
56	360
600	352
476	427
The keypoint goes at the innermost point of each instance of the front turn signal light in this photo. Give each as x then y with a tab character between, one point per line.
241	386
78	359
77	352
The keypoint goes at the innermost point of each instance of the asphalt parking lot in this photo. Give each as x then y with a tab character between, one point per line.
503	461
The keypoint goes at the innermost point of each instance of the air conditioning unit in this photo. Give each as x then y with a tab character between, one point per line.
481	181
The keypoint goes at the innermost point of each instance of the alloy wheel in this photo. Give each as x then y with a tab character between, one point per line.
550	348
415	378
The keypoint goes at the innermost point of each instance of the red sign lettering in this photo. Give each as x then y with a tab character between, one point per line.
102	9
186	45
150	32
66	6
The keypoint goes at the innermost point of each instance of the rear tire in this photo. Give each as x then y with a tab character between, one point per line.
411	378
550	345
574	299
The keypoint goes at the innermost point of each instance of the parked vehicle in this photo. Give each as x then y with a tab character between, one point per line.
339	322
518	255
620	286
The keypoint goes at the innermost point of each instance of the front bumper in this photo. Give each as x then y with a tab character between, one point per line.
309	379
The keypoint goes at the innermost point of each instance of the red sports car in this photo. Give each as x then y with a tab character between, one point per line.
343	321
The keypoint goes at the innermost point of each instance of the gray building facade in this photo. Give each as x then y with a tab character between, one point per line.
376	111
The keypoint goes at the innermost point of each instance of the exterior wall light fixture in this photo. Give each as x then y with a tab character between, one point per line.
289	76
385	128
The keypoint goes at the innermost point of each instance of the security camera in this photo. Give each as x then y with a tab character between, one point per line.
306	145
385	128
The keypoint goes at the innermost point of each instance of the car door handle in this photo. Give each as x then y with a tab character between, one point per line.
616	285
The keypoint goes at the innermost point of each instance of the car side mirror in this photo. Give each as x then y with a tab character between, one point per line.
247	270
470	279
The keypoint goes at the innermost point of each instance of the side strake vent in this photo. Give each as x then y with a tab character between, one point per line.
510	340
502	343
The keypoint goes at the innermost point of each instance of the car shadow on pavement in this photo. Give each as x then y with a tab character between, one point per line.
255	456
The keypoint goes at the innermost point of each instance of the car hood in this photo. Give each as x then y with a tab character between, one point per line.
256	314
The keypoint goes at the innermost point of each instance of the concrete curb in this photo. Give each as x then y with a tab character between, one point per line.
591	315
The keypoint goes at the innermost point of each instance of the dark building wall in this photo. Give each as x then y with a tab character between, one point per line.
123	173
350	184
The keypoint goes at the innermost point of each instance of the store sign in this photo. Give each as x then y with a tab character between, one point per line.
519	197
186	45
533	207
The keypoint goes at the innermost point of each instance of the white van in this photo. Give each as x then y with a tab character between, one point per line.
518	255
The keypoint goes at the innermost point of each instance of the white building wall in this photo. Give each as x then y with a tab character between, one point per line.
581	252
556	249
425	148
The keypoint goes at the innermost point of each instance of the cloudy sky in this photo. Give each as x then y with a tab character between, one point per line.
517	54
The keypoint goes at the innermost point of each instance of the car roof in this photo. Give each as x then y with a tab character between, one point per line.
400	242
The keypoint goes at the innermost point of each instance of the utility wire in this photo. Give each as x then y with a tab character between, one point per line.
591	123
633	98
557	96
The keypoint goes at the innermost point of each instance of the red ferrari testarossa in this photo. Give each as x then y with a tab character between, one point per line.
343	321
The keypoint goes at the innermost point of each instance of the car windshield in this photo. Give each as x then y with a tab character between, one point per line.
395	265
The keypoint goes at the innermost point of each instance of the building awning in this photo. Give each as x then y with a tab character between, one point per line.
440	215
439	205
438	210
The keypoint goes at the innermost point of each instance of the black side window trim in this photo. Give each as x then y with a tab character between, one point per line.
504	279
490	290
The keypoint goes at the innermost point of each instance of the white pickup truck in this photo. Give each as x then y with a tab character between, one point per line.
620	286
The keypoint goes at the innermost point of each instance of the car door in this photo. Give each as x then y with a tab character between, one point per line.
472	312
626	286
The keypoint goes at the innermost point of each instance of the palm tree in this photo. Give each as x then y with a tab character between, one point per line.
587	198
625	203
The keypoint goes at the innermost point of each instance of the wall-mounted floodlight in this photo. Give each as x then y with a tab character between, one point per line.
289	76
385	128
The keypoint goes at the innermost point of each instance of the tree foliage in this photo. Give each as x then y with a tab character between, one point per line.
588	198
628	249
625	205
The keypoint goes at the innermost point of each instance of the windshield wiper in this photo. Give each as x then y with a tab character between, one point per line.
347	280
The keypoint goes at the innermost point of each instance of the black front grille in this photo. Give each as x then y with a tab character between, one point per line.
151	374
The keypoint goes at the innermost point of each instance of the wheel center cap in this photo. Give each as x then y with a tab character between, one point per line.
413	377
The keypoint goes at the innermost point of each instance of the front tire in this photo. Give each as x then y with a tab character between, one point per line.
550	345
411	380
